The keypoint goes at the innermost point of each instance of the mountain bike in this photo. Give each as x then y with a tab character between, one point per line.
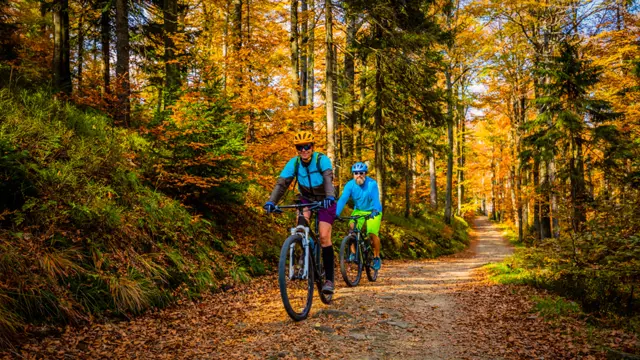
301	264
352	269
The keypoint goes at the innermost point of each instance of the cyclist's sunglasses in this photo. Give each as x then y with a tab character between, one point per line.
359	173
304	147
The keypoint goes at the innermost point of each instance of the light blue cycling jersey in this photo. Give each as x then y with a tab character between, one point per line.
307	174
312	184
365	197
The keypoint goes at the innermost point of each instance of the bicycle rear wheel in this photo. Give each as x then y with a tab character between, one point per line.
351	270
296	288
372	274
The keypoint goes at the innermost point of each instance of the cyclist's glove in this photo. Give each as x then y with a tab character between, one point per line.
373	214
269	207
328	201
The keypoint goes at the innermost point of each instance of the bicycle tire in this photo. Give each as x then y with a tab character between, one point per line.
372	274
346	267
300	309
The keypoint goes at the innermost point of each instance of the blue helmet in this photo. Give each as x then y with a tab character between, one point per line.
359	166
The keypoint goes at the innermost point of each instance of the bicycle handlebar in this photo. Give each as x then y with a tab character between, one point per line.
312	206
353	217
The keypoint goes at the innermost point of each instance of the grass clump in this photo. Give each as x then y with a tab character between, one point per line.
554	308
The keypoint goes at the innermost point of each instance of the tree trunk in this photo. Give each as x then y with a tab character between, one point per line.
407	187
360	121
237	43
349	79
554	228
172	70
251	132
545	207
303	53
414	172
512	192
449	187
225	46
295	55
237	26
311	56
61	48
432	176
122	59
378	124
80	48
105	40
494	215
537	206
578	189
329	81
461	160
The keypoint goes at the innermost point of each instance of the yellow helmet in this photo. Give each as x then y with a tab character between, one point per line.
303	137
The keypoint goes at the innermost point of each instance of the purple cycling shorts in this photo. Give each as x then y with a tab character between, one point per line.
324	215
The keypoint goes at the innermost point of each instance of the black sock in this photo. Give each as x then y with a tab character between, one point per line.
327	258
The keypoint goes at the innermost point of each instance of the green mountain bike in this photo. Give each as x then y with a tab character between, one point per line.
355	254
301	264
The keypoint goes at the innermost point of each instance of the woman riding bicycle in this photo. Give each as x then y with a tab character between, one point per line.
366	197
314	174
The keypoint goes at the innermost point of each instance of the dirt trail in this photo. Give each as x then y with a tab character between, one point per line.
411	312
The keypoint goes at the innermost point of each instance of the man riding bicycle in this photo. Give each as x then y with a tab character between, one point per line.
314	175
366	197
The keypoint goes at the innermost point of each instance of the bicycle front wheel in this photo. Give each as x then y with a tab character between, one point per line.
296	286
351	269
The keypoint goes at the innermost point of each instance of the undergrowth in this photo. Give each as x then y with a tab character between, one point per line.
82	234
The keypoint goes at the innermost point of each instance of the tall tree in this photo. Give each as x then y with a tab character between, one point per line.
295	55
433	194
349	86
451	11
304	47
329	91
80	52
568	106
61	47
310	51
122	60
105	42
172	65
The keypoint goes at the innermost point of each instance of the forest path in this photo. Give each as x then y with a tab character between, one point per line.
413	311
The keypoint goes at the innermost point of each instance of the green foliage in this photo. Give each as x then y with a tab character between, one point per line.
423	236
553	308
509	233
607	288
84	235
199	157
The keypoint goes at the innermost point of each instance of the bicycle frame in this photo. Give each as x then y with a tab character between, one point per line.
308	235
358	232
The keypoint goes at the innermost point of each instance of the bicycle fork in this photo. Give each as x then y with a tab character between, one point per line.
300	229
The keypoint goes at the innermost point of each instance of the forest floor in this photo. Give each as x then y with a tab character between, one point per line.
429	309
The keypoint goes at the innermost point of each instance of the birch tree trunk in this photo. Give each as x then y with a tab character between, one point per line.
329	81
